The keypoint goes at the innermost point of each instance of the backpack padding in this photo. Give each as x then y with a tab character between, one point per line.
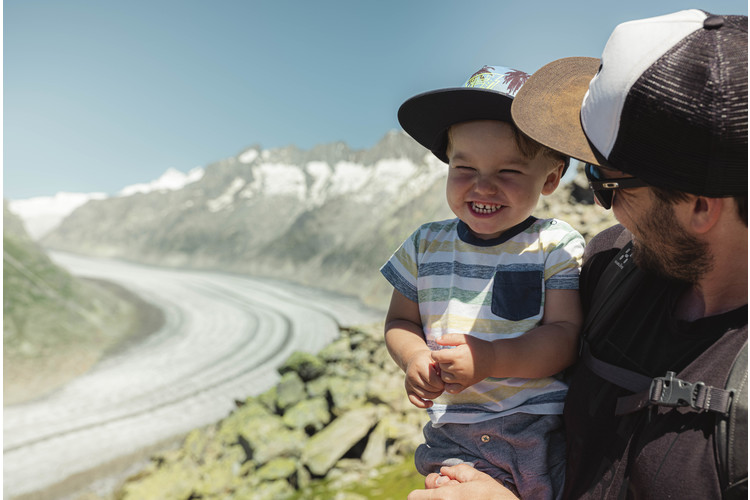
731	433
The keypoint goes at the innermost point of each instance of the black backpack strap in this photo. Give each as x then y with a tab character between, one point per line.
731	433
608	285
729	403
662	391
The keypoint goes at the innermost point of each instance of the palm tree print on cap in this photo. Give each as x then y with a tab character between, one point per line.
502	79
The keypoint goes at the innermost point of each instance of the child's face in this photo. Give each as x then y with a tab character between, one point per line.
491	187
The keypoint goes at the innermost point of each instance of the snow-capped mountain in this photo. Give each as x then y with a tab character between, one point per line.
327	217
41	214
171	180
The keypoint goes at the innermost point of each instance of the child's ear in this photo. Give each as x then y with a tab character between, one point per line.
553	179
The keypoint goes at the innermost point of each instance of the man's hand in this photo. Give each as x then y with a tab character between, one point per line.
460	482
470	361
422	381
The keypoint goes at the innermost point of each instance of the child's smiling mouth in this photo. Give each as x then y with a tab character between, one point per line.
484	208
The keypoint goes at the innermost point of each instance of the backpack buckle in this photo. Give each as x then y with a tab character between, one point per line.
674	392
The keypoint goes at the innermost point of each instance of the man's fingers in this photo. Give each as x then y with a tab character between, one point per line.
461	472
431	480
436	480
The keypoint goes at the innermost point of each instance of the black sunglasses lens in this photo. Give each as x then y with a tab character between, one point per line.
604	197
593	172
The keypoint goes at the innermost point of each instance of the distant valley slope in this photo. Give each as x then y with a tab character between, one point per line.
55	326
328	217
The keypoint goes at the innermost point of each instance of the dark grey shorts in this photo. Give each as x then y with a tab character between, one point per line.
525	452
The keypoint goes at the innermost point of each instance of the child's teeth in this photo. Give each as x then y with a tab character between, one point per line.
485	209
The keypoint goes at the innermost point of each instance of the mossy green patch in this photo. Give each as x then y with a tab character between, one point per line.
384	483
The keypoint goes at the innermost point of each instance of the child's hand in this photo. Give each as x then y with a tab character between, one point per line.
423	381
469	362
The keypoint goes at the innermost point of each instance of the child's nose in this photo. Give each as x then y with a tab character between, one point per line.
485	184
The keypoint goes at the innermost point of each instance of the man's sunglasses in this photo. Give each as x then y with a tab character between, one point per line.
604	188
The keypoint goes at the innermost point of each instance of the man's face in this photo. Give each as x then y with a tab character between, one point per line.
661	244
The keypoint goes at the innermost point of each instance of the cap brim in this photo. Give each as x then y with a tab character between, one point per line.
548	106
426	117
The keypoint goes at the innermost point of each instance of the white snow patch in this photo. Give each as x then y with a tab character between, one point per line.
275	179
321	174
387	177
248	156
227	197
42	214
348	178
171	180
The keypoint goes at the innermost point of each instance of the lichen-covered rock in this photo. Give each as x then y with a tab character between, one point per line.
375	451
261	434
271	490
268	399
341	424
173	480
291	390
271	441
317	388
307	366
336	351
385	388
347	393
278	468
325	448
309	414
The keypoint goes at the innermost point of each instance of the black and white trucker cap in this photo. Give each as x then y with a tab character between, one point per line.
666	103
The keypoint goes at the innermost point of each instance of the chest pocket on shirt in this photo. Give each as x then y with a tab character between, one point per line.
517	295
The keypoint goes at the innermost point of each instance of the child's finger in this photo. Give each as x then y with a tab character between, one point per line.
419	402
454	388
452	339
446	357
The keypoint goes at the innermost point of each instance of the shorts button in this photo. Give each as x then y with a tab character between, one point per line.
485	438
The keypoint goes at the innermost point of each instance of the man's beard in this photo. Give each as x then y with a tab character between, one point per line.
662	246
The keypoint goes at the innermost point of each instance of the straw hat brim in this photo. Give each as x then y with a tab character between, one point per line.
548	106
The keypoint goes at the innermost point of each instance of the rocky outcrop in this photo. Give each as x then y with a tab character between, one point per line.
335	416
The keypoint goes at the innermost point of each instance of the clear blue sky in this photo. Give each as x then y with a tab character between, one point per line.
103	94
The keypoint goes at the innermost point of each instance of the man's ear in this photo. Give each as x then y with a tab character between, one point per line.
553	179
705	212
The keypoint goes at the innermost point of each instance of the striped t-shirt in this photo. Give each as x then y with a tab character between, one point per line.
491	289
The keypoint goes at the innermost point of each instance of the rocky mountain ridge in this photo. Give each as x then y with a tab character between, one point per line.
328	217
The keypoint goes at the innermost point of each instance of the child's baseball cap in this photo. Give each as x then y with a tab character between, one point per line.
486	95
667	103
